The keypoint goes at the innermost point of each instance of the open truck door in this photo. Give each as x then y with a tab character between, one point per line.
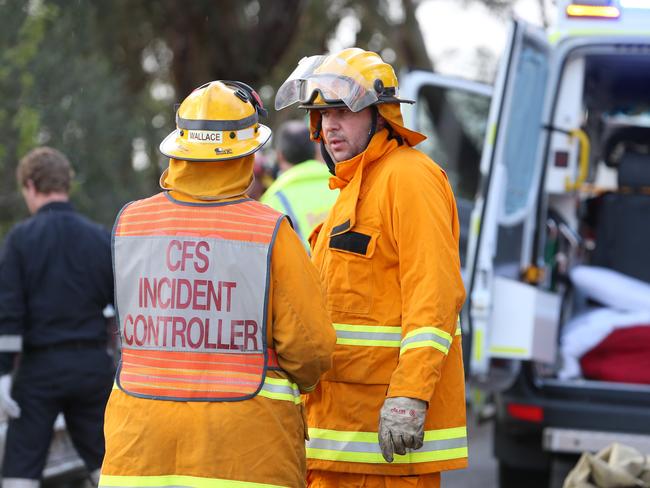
497	322
452	113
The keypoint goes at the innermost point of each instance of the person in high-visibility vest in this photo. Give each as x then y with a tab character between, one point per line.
391	411
301	190
221	314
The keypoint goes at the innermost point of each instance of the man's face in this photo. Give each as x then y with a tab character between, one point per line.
345	132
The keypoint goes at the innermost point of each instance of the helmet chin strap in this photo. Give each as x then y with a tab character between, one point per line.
325	152
373	124
327	157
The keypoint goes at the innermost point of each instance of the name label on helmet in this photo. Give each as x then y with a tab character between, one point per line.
204	136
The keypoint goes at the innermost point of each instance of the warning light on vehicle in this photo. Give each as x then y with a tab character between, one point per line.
529	413
592	11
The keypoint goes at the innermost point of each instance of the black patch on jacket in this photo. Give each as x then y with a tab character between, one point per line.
341	227
351	241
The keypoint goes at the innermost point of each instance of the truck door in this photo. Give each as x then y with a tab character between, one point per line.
452	113
503	219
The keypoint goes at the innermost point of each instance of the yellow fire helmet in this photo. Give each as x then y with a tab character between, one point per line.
353	78
216	122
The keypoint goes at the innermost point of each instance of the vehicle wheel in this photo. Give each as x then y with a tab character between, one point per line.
510	477
561	465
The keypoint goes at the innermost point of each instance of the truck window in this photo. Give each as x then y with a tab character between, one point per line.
531	78
454	121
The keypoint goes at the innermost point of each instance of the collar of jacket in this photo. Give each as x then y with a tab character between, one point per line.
65	206
208	181
349	176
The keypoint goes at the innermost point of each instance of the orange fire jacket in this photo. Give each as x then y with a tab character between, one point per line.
257	441
388	257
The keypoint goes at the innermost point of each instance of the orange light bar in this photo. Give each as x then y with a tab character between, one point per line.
593	11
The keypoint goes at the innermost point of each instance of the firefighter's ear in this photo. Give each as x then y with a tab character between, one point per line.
381	122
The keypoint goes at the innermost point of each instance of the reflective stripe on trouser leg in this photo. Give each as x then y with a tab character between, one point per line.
11	343
363	447
173	480
20	483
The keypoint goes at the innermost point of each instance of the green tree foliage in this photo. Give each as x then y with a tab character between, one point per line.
99	80
60	89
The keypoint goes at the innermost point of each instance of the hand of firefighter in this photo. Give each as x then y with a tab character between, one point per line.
401	425
8	404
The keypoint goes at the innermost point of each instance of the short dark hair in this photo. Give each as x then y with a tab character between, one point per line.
292	141
48	168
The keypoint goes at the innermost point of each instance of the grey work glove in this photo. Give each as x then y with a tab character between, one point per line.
401	425
7	404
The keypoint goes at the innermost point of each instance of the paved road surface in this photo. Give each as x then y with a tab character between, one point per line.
482	471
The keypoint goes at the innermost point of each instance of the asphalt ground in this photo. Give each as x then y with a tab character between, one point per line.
482	470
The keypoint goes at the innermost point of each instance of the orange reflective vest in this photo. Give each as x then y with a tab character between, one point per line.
388	257
192	296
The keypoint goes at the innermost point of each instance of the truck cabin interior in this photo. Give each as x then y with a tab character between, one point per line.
604	270
617	122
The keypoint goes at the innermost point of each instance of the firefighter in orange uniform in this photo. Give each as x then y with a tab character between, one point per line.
222	317
391	411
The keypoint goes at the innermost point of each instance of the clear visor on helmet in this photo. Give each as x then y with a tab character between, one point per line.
331	78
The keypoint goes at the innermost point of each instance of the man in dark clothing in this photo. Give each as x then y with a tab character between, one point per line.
55	280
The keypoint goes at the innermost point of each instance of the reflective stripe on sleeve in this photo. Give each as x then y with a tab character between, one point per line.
363	447
426	337
280	389
174	480
368	335
11	343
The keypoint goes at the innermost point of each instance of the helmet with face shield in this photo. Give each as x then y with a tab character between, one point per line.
354	79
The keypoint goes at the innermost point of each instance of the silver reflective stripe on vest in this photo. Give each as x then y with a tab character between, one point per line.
11	343
363	447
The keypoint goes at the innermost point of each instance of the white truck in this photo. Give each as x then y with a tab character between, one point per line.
563	181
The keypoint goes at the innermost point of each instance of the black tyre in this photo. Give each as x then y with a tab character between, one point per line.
511	477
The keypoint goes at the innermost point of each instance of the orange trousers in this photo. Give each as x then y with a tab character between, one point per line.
330	479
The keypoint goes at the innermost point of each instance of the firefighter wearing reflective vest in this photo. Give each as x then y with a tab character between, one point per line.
222	317
393	404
